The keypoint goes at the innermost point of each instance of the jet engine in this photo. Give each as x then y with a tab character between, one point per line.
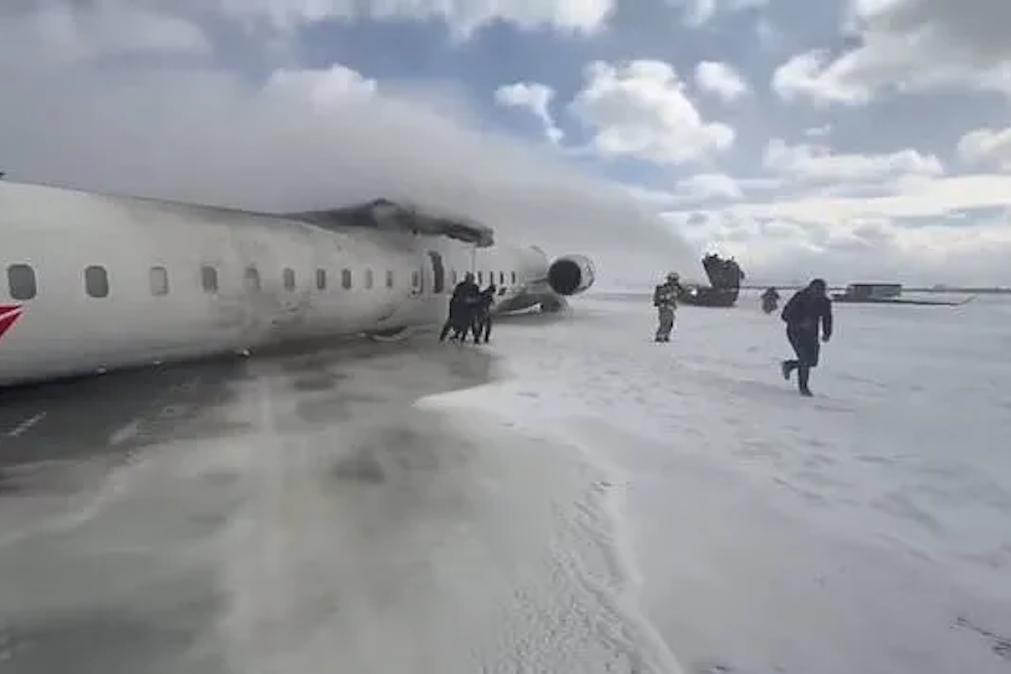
571	274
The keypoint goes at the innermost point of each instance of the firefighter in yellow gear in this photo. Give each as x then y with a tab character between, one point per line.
665	300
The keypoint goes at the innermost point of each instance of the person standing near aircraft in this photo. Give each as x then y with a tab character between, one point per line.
461	308
482	314
665	300
802	315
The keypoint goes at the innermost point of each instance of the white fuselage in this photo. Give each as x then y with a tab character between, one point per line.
93	282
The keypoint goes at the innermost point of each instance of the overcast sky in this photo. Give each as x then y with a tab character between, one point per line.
855	139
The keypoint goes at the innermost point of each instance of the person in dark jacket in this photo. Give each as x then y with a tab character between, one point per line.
482	314
802	314
770	300
461	308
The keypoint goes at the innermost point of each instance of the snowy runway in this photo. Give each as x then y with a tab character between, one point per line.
574	498
864	530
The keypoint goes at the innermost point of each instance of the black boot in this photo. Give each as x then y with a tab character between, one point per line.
788	366
803	374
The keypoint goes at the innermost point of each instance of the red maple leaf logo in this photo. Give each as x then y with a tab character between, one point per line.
9	315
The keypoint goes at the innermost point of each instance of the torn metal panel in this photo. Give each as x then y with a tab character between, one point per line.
382	214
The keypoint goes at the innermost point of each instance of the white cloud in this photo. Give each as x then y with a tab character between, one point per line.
700	12
929	198
534	97
987	146
720	79
815	163
710	186
640	109
462	16
315	138
654	198
807	76
136	31
310	140
58	32
822	131
324	88
705	189
907	45
699	188
912	236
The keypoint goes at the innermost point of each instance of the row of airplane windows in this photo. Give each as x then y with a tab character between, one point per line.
22	284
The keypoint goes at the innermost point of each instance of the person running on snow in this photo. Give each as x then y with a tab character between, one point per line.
665	300
802	314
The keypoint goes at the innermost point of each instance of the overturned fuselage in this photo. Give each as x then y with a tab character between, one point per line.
96	282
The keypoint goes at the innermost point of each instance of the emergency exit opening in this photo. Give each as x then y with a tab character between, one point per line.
438	273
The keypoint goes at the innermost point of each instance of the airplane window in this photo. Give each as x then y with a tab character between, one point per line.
389	278
346	279
369	279
501	278
21	281
159	281
514	278
289	279
321	279
252	279
415	279
96	281
209	279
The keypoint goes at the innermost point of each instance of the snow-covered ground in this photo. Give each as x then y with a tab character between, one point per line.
865	530
304	513
570	498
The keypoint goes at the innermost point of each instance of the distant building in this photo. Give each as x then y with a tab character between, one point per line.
871	291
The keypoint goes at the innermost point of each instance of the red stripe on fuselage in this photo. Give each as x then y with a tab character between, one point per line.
9	315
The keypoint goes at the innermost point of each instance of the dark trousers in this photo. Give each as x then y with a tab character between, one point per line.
459	321
460	330
482	327
805	344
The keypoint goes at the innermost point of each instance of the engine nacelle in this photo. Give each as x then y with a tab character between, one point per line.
571	274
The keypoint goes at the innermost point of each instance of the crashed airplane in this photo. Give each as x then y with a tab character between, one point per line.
95	282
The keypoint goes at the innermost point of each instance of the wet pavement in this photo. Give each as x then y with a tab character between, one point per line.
140	512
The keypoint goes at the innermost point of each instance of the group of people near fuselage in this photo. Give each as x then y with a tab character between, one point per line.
808	310
469	312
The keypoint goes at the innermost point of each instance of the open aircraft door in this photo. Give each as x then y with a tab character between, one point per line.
438	272
430	277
